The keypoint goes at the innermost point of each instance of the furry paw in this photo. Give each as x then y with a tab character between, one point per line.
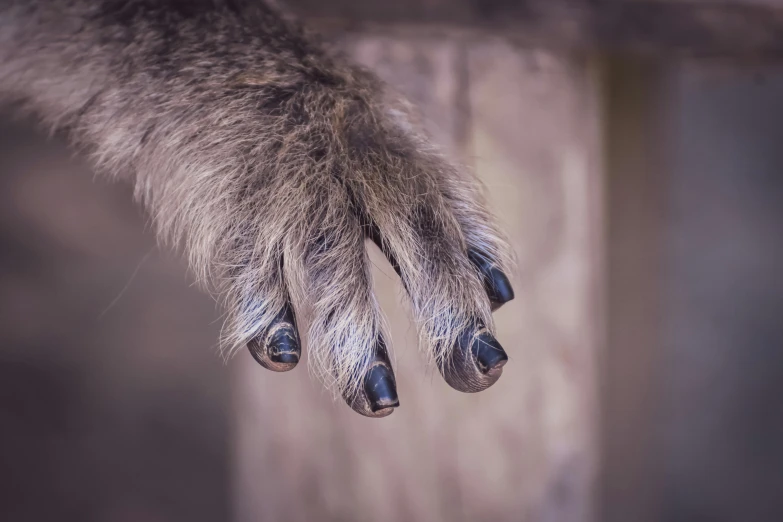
355	172
271	161
281	190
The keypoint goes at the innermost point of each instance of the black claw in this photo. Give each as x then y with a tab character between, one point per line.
496	284
477	361
380	388
284	357
278	348
284	345
490	356
377	396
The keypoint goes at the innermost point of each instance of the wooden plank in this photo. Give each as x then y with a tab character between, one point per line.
716	29
635	195
536	146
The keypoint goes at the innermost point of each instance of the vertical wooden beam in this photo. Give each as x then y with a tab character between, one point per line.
635	182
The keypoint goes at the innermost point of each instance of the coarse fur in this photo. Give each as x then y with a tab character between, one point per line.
266	158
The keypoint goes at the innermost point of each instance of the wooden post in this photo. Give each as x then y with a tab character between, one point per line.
635	180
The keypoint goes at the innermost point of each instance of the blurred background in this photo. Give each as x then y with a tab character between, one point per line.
632	152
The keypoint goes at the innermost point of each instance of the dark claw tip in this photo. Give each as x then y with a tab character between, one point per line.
496	283
284	357
490	356
284	346
381	389
499	287
280	351
476	362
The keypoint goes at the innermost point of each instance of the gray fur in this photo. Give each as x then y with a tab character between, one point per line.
264	157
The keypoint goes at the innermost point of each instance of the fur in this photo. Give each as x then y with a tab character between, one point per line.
265	157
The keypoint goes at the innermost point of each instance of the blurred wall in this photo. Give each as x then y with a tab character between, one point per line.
113	403
693	368
721	366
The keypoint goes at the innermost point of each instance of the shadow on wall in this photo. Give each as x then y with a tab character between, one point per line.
720	419
113	402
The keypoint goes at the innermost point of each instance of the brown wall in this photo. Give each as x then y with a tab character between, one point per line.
113	404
